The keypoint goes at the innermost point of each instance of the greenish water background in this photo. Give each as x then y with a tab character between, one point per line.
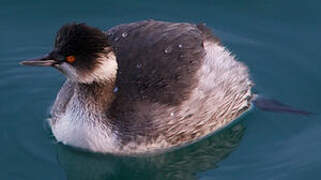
279	41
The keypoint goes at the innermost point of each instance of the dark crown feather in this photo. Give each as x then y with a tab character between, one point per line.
80	39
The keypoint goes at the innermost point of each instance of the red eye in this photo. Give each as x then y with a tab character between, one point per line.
70	59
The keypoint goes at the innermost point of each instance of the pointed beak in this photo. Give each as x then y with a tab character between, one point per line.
45	61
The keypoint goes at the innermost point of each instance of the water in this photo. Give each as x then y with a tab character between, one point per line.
278	40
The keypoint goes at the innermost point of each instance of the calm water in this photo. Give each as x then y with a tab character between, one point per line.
279	41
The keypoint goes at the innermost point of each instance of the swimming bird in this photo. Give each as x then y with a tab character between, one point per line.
143	87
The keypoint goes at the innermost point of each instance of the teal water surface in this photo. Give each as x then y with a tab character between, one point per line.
279	41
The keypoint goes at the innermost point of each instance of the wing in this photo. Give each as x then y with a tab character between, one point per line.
157	61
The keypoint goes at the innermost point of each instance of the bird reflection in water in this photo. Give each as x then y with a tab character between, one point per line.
184	163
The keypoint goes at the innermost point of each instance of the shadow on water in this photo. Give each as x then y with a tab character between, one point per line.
183	163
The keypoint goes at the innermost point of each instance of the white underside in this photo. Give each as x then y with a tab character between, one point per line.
84	135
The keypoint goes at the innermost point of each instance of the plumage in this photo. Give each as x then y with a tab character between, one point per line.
155	86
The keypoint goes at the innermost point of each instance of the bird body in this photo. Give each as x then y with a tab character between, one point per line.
156	86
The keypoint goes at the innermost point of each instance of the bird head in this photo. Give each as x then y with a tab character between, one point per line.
81	53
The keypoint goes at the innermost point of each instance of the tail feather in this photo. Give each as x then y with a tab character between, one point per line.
267	104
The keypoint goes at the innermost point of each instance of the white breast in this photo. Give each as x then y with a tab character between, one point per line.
75	128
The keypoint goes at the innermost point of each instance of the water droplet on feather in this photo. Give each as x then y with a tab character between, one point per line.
124	34
116	38
168	50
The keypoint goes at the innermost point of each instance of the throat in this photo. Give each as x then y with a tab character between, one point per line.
95	97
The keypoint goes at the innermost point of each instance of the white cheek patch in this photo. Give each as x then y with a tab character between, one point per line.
105	71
